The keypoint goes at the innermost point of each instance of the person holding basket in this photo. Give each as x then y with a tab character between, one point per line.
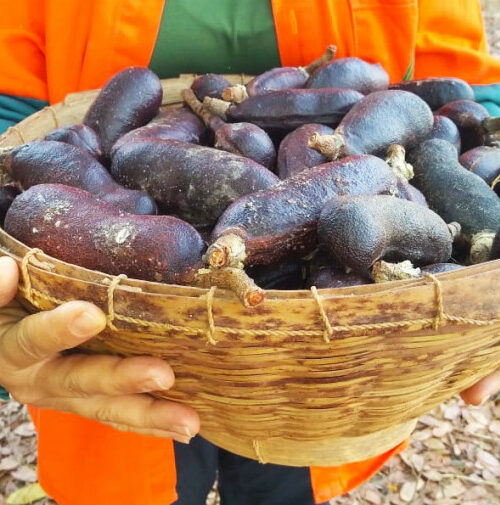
101	438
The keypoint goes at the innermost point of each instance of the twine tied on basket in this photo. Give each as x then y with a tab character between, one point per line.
436	321
110	317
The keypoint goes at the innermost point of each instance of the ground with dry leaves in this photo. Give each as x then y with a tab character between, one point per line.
454	456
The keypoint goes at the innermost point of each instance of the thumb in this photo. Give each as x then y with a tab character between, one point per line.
9	277
42	335
482	390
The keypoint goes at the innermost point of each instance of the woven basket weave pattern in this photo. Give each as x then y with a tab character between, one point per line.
317	377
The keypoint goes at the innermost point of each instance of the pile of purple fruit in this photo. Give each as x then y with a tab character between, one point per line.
323	175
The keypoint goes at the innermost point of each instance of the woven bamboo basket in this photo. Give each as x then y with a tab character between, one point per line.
319	377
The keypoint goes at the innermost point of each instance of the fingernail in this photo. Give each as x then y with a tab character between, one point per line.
182	430
484	400
156	383
182	440
87	323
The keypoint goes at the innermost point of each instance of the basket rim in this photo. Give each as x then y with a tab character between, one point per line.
164	289
85	97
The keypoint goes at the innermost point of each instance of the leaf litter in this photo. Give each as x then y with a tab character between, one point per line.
453	458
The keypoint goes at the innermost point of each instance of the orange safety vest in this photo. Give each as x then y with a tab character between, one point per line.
49	48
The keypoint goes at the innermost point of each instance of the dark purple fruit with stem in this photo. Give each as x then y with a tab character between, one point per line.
444	128
211	85
192	182
377	121
360	230
290	108
80	136
277	79
279	223
245	139
294	154
437	91
352	73
485	162
74	226
174	124
130	99
48	161
469	117
457	194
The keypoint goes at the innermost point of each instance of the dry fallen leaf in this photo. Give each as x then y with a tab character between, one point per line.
371	496
9	463
27	494
422	434
452	412
25	430
453	488
494	427
407	491
25	473
435	444
433	475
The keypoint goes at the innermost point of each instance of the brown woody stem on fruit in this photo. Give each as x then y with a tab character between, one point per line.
329	54
217	106
455	230
382	271
329	146
234	279
236	93
480	246
396	160
210	119
227	251
491	124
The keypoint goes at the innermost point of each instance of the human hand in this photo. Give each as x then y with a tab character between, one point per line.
482	390
108	389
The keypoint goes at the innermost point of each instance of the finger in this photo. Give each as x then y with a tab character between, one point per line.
136	411
84	376
42	335
482	390
150	432
9	277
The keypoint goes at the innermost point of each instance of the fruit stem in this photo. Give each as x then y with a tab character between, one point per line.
211	120
328	55
217	106
396	160
480	246
234	279
329	146
236	93
227	251
455	229
382	271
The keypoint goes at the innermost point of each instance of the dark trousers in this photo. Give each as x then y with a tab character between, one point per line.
242	481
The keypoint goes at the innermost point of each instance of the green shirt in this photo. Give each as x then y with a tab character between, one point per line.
219	36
